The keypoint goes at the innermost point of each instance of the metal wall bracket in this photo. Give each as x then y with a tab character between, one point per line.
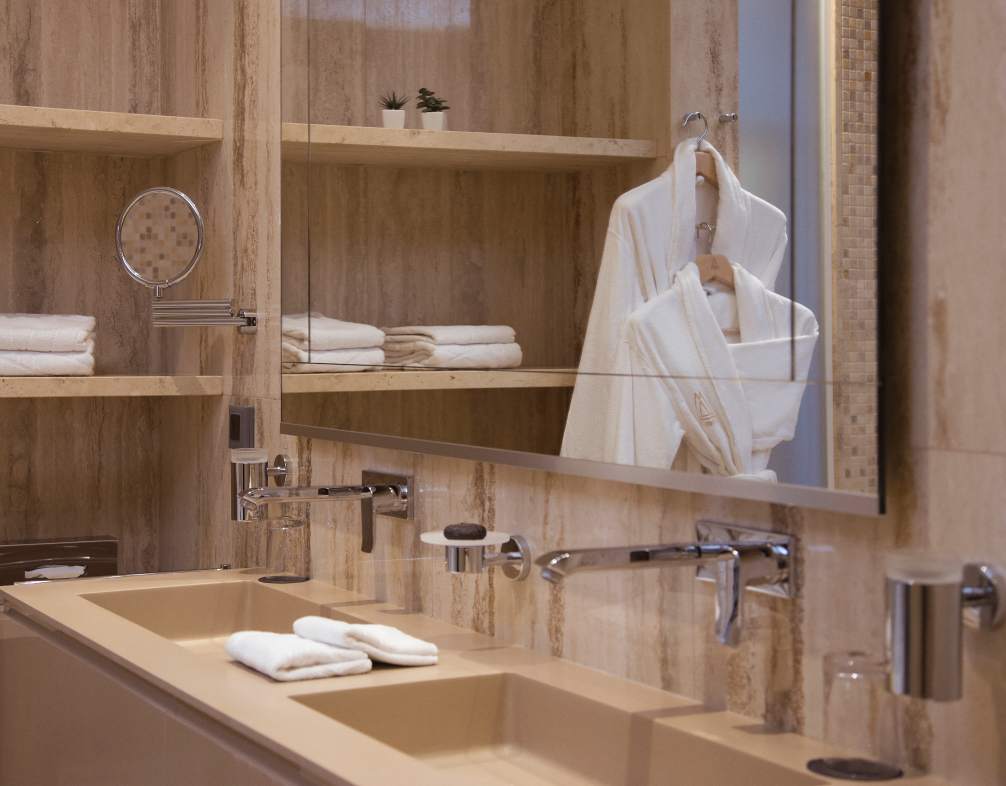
400	504
718	532
202	313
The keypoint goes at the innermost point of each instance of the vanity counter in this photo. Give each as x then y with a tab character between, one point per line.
290	720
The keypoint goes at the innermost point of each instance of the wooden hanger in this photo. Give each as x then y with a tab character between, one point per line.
715	267
705	166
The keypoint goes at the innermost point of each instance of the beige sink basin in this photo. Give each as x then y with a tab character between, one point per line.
202	616
506	728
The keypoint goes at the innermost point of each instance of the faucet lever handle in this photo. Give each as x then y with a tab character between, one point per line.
729	600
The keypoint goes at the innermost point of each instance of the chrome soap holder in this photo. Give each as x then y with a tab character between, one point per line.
476	556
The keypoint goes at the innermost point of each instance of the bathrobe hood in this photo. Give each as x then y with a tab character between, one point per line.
732	402
651	235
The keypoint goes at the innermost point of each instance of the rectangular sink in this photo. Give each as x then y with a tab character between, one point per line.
204	615
508	729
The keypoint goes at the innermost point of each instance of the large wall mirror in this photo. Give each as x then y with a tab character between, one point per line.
532	259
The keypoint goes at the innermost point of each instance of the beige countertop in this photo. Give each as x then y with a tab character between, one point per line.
200	674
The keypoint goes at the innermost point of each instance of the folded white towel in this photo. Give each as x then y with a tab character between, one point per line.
45	332
424	353
381	642
327	333
332	360
286	657
48	364
453	334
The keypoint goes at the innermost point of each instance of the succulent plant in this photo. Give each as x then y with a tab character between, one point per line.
427	101
393	101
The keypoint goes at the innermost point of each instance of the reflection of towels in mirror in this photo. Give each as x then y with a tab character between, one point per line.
617	416
319	332
732	402
453	346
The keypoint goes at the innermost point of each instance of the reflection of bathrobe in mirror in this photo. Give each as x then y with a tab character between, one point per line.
732	402
615	417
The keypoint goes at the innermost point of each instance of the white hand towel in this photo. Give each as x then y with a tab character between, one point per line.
286	657
47	364
424	353
46	332
332	360
381	642
327	333
453	334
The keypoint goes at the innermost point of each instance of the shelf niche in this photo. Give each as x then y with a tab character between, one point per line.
44	129
328	144
126	386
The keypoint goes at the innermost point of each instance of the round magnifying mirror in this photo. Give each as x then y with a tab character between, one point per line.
159	237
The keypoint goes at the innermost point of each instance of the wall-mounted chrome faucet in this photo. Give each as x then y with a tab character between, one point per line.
927	601
736	558
380	493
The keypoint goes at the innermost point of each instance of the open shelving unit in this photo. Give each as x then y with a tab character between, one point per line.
127	386
111	133
361	381
340	144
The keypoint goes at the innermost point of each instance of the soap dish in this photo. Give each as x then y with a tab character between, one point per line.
474	556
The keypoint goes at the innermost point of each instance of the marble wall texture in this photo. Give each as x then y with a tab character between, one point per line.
942	281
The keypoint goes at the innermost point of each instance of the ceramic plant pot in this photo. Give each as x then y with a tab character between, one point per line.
393	118
435	121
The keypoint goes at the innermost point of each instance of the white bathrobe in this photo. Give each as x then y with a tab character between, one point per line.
616	416
732	402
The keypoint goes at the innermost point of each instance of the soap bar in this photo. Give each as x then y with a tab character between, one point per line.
465	532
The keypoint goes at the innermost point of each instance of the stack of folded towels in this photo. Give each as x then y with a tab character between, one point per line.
316	343
452	346
322	647
46	345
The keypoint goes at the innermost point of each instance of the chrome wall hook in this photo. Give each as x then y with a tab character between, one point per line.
689	117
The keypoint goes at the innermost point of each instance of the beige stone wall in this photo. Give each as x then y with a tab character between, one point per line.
854	261
943	281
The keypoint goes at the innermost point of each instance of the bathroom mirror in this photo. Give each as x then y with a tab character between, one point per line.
573	277
159	238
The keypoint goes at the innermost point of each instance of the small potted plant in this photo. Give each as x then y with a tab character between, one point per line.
392	111
433	110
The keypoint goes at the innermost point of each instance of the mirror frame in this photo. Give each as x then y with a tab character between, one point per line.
851	502
812	497
157	286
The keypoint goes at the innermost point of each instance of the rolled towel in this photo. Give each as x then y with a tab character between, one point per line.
453	334
426	354
381	642
46	332
327	333
287	658
47	364
332	360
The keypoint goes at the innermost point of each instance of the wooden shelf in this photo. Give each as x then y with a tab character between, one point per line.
111	133
457	149
358	381
109	387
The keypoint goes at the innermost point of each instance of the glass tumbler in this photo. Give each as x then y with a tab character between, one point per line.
860	714
287	551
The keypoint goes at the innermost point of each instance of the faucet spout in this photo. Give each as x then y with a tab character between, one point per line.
558	565
753	559
254	501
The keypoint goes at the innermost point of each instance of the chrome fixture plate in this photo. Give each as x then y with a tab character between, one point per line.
373	478
718	532
517	571
984	577
280	469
